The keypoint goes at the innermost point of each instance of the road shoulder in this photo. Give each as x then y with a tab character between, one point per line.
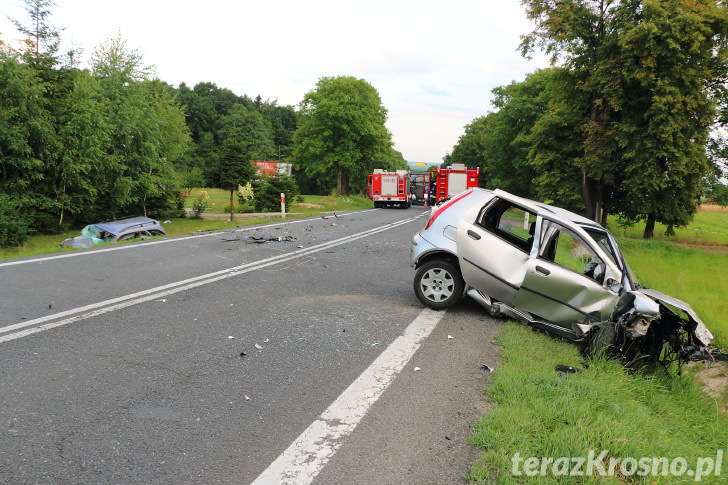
417	432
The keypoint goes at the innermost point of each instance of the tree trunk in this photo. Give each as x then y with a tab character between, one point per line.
63	202
649	227
232	209
339	176
591	195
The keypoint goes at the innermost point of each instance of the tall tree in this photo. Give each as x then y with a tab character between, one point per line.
670	54
246	136
41	37
147	133
648	71
342	131
583	32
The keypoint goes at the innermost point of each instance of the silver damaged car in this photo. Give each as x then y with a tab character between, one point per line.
554	269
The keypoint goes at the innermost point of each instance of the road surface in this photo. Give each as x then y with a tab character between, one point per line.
217	357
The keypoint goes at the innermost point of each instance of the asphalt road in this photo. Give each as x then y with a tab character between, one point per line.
123	364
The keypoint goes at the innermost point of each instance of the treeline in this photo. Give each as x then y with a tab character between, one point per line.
83	145
627	123
93	143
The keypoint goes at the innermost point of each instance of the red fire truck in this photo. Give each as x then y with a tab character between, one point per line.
453	180
389	188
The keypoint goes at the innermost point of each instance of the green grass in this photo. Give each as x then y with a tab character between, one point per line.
311	205
538	413
709	228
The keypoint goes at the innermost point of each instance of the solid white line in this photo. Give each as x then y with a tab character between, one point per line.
99	308
305	458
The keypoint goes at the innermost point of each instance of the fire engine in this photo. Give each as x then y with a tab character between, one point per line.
389	188
453	180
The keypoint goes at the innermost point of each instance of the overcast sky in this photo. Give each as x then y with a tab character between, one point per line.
434	63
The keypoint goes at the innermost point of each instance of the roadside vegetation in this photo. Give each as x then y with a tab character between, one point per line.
541	413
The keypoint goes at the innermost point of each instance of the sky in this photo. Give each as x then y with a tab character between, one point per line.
433	63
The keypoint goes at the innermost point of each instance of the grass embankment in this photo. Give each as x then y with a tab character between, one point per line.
311	206
541	415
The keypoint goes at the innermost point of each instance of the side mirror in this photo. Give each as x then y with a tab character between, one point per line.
613	285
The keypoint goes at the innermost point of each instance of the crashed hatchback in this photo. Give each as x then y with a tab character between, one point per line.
114	231
554	269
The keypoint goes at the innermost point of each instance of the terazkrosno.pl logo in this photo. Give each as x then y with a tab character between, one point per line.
601	464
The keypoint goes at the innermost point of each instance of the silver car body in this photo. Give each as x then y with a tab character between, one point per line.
115	231
545	265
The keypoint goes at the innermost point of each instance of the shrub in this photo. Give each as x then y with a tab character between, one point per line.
268	193
200	204
14	227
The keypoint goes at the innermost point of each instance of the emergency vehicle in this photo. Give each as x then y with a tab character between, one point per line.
389	188
453	180
420	187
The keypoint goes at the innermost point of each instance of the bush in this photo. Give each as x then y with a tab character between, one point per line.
268	193
14	227
200	204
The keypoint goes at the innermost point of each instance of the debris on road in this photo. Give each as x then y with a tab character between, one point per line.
261	239
258	347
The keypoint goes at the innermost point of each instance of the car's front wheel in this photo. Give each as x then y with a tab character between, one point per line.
438	284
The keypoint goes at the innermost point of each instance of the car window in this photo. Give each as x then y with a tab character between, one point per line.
129	236
156	232
566	248
510	222
603	242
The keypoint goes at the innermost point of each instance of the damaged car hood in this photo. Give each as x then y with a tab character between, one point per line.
699	329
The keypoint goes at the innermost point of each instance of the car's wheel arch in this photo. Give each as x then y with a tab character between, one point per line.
438	255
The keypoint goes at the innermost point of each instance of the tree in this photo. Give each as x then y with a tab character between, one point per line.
670	54
245	137
147	134
42	40
205	105
584	33
647	70
27	135
341	133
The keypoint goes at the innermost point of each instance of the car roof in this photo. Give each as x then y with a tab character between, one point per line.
121	225
546	210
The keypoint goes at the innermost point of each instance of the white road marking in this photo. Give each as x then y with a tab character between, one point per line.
70	316
306	457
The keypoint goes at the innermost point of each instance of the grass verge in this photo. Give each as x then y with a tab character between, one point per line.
691	275
541	414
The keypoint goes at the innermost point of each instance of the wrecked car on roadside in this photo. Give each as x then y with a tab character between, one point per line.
554	269
114	231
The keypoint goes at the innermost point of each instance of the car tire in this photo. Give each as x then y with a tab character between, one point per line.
438	284
603	340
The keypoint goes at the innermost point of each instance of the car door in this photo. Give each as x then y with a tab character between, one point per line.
493	250
564	280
